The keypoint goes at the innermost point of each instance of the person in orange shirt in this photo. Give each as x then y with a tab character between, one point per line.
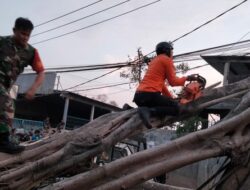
152	91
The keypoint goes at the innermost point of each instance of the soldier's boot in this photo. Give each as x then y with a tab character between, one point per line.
7	146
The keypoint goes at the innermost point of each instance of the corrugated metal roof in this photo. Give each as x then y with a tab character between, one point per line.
239	65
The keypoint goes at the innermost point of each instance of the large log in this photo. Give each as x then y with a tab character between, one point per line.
65	151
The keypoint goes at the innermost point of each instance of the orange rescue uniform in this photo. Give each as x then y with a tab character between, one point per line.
160	69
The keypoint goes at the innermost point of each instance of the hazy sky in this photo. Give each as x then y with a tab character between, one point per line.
115	40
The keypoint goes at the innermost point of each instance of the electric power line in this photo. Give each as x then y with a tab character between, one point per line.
242	37
125	64
119	84
113	85
150	52
90	15
178	37
100	84
142	7
153	51
190	56
209	49
148	5
127	83
117	92
226	47
197	67
204	24
186	55
68	13
93	79
90	66
97	23
96	88
182	36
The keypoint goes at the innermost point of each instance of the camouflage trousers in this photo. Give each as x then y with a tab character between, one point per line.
6	110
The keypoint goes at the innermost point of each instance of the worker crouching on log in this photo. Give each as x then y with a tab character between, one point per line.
152	96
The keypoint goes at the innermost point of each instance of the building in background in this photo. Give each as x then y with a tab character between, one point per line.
73	109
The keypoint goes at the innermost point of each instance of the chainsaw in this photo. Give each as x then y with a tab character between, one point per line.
192	90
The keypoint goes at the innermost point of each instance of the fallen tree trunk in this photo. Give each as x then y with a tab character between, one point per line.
144	165
63	152
236	174
157	186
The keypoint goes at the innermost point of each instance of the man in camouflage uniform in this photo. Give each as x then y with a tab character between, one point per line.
15	55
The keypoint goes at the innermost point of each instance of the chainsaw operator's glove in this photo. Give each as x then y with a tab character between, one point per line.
193	77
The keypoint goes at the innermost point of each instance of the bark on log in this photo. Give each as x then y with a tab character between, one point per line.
157	186
153	162
61	153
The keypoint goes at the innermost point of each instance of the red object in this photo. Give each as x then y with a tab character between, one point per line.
191	92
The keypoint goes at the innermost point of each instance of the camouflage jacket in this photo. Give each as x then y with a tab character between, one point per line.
13	59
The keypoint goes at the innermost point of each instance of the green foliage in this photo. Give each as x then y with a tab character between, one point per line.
140	64
188	126
138	67
182	68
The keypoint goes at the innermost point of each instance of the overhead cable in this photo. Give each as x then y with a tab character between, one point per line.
90	66
93	67
182	36
232	46
216	50
74	21
190	56
97	23
204	24
96	88
68	13
93	79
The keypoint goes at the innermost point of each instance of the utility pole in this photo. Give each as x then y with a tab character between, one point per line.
139	63
58	82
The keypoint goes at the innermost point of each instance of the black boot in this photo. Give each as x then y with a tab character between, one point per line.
7	146
126	107
145	114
